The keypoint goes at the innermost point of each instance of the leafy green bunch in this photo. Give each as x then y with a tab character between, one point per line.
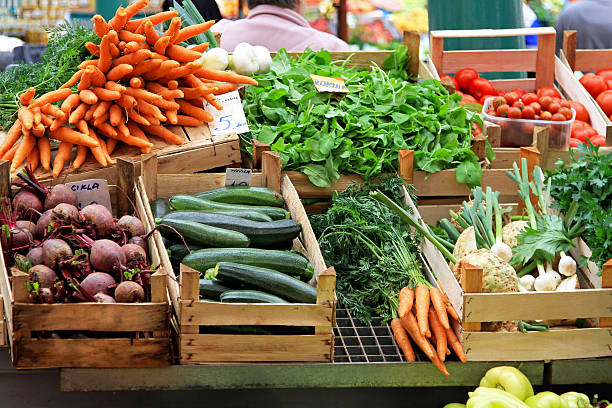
324	135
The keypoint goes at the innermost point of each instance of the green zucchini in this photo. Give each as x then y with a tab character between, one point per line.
451	230
187	202
246	214
260	233
268	280
286	262
204	235
180	251
212	289
249	296
160	207
244	195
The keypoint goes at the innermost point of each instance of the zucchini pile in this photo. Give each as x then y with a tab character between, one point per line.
238	239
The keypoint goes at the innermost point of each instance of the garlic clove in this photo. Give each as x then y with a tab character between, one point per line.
502	250
527	281
567	266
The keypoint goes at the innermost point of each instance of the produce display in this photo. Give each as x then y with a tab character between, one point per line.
599	85
139	81
237	237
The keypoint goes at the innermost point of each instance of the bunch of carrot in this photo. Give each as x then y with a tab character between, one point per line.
424	314
140	81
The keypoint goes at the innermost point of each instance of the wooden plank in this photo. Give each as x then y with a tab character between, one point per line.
271	170
593	60
471	282
436	54
412	40
489	60
194	183
126	182
532	156
570	40
606	282
99	353
424	71
220	314
190	294
111	317
528	85
148	171
326	295
555	344
206	158
201	348
432	68
406	164
541	140
510	32
2	325
591	371
493	132
545	71
5	179
585	303
258	149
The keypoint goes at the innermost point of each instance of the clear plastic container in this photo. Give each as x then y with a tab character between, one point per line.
519	132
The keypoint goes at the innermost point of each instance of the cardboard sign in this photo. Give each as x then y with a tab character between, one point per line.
92	191
237	177
327	84
231	118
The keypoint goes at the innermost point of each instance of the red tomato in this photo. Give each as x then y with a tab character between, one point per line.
548	91
574	142
518	104
528	113
502	110
605	101
536	107
609	83
450	78
558	117
545	115
511	97
605	73
578	125
553	108
499	100
529	98
567	112
519	91
582	134
499	92
593	84
545	101
484	98
514	113
476	129
564	104
464	77
465	98
480	87
581	112
598	140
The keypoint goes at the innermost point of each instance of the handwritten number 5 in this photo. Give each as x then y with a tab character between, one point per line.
223	119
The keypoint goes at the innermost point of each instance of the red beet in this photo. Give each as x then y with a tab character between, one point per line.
54	250
36	256
65	213
23	202
60	194
132	225
46	295
98	282
129	292
140	241
27	225
21	237
43	224
107	256
102	298
42	274
100	217
133	252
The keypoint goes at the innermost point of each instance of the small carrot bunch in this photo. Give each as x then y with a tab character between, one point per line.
140	81
424	314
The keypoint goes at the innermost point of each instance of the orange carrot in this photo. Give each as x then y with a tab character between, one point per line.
37	115
94	49
193	93
439	332
150	33
165	104
137	132
188	121
82	126
87	96
200	47
107	130
80	157
199	102
224	76
210	98
63	154
73	79
98	79
113	37
182	71
78	113
173	30
159	56
38	130
46	120
90	111
134	46
165	93
52	110
71	102
146	66
101	109
65	134
155	19
114	86
146	108
50	97
161	44
26	117
44	152
58	122
172	85
25	147
191	31
11	152
223	88
97	152
402	340
182	54
133	58
106	95
138	118
139	93
27	96
114	51
438	303
100	25
115	115
412	327
101	119
201	114
135	7
449	307
136	82
110	145
172	116
128	139
152	120
119	72
109	159
421	295
106	59
406	298
455	344
11	137
119	20
163	69
164	133
126	101
85	82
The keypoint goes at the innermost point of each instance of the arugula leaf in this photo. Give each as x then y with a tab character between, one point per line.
470	173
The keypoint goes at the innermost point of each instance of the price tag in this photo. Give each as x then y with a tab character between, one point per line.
92	191
237	177
328	84
231	118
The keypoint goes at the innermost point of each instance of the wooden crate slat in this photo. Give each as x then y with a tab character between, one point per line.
509	32
593	60
490	307
112	317
216	314
210	157
528	85
489	60
97	353
194	183
199	348
532	346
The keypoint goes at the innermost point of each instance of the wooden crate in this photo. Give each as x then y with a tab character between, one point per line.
200	151
125	349
198	348
2	324
549	70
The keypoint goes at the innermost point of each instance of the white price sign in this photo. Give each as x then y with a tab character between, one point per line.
92	191
237	177
231	118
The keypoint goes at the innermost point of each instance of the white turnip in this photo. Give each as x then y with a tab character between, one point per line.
60	194
65	213
99	216
42	274
107	256
54	250
103	298
129	292
98	282
140	241
27	205
132	225
133	253
43	224
36	256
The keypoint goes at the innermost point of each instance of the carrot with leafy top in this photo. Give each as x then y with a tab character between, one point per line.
71	102
191	31
119	20
173	30
115	115
100	26
63	153
201	114
65	134
97	152
52	110
11	138
119	71
155	19
410	324
421	295
80	157
26	117
164	133
439	333
106	59
111	143
200	47
94	49
402	340
50	97
25	147
27	96
438	303
181	54
224	76
406	298
44	152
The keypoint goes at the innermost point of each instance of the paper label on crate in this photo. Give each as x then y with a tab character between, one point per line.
231	118
237	177
92	191
328	84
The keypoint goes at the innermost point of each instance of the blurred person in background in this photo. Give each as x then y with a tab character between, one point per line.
207	8
591	18
276	24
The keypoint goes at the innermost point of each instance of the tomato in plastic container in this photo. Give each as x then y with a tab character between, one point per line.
519	132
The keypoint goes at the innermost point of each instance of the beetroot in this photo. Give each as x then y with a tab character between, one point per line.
140	241
36	256
46	295
98	282
20	237
60	194
129	292
54	250
26	225
132	225
65	213
107	256
43	224
102	298
134	252
99	216
27	205
42	274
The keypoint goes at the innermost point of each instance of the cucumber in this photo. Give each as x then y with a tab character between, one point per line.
246	214
244	195
180	251
260	233
211	289
160	207
187	202
282	261
249	296
204	235
268	280
451	231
